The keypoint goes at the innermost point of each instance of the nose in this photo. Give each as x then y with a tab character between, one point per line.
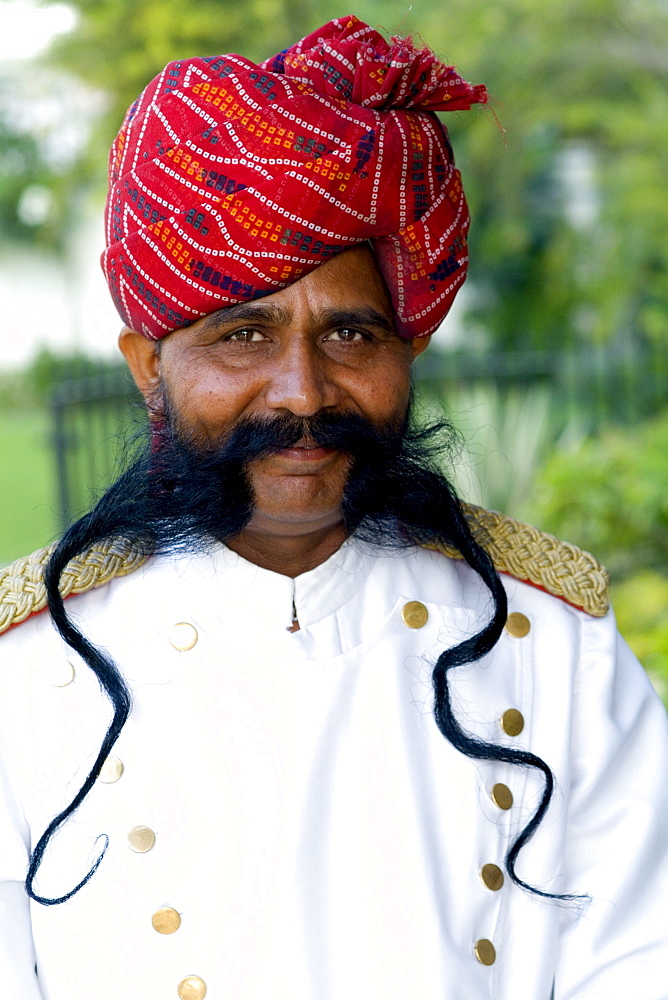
301	381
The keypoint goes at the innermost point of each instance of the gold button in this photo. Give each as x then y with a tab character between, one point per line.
111	770
502	796
414	614
183	636
518	624
512	722
485	952
166	920
63	674
191	988
141	839
492	877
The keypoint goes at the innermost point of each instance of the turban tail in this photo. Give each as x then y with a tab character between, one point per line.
230	180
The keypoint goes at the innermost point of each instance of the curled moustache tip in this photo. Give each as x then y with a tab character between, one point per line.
54	901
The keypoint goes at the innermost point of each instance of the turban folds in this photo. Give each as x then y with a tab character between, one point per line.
230	180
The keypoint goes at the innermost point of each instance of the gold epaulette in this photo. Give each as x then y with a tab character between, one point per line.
535	557
22	591
518	549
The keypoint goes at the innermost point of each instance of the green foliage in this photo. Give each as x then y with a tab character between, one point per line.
25	176
50	369
121	44
19	159
504	436
604	492
641	606
609	495
580	84
33	385
44	177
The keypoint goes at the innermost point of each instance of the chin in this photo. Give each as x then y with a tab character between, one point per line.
298	499
293	519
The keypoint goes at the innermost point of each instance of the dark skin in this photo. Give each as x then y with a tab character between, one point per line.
326	342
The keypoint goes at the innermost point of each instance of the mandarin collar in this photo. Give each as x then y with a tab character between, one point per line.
270	597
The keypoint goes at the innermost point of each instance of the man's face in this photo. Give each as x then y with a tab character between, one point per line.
327	342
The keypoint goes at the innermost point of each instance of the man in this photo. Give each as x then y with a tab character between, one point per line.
344	758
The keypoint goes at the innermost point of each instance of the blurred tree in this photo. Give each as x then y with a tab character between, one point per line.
568	219
570	211
19	160
28	215
608	494
641	606
45	117
31	388
49	368
120	44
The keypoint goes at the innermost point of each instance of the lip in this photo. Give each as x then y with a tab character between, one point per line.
306	450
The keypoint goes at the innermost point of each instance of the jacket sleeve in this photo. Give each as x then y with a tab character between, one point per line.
617	841
17	954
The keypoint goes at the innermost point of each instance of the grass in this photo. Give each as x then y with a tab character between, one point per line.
28	511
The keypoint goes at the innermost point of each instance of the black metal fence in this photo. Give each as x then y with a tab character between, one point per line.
598	386
94	420
95	417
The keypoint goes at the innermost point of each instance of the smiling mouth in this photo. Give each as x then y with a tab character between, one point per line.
306	450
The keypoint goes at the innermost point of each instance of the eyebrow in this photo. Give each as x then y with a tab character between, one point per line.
271	313
364	316
246	310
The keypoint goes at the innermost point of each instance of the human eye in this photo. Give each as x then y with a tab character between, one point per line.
245	335
347	335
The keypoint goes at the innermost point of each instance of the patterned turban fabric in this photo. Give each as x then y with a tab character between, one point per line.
230	180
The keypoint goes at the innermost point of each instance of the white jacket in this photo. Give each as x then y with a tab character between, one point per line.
313	834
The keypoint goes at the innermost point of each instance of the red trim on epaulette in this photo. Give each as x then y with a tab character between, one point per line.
33	614
559	597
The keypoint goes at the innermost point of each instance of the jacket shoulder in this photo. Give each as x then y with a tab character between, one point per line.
517	549
22	590
538	558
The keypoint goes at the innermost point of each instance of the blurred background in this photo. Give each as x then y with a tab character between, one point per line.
554	362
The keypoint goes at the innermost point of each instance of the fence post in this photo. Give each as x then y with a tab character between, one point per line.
60	443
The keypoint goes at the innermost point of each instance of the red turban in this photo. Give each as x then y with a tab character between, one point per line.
230	180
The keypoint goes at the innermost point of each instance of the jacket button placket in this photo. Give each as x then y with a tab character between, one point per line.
512	723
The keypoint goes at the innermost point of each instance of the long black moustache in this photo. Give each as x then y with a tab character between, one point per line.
180	496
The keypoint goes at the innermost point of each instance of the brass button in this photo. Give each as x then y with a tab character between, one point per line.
485	952
512	722
166	920
141	839
191	988
111	770
183	636
63	674
502	796
492	877
517	624
414	614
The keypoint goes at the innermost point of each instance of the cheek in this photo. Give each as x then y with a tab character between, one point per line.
384	398
206	400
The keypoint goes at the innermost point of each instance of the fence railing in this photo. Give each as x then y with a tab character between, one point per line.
94	417
598	386
93	420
